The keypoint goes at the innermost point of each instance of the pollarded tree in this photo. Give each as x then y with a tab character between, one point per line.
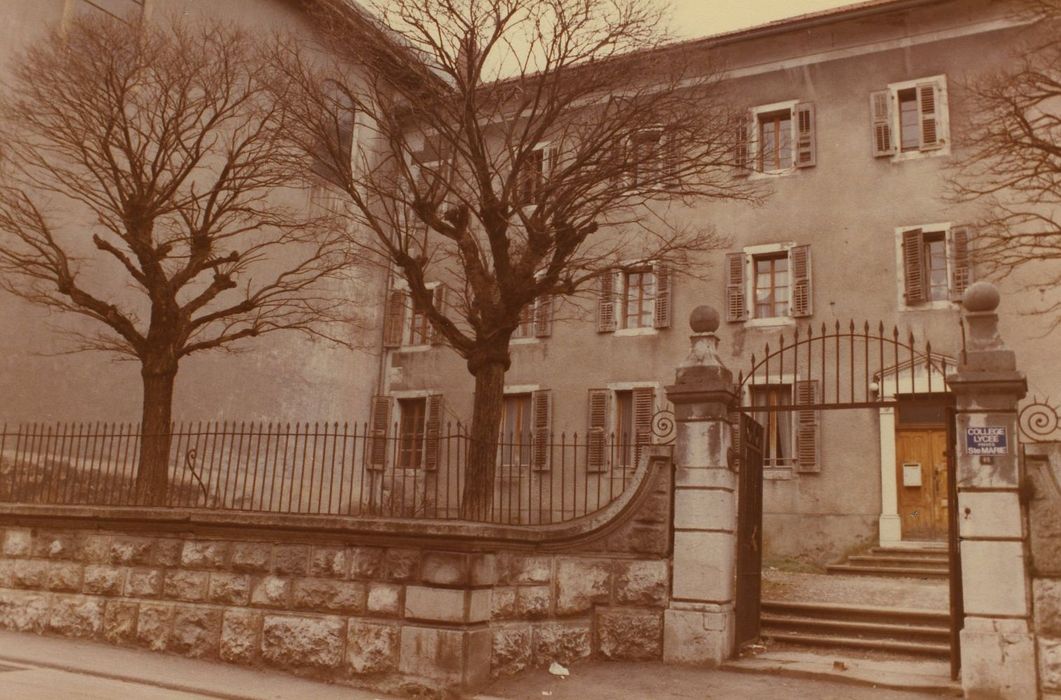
528	147
145	175
1011	158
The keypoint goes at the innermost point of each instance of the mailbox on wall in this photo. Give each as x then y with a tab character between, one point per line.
911	474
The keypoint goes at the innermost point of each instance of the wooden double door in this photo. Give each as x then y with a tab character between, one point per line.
921	477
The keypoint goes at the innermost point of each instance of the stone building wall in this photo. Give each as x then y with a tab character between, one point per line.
1043	469
351	607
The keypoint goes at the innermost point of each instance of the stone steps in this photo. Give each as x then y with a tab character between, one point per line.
875	570
925	561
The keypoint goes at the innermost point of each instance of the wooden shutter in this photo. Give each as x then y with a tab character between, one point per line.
433	430
394	319
606	320
742	156
543	316
928	109
542	417
961	267
664	293
644	400
736	308
800	264
914	266
806	142
596	430
439	299
807	438
379	423
880	107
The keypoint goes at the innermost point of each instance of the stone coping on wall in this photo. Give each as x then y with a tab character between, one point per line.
453	534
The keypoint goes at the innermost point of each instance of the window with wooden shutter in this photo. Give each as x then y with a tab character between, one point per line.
808	457
542	415
543	316
596	430
433	430
664	294
439	294
394	319
644	400
806	142
606	292
800	264
880	108
961	267
742	156
378	426
736	308
928	111
914	266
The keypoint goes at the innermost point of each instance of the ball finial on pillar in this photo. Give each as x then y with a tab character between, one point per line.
981	297
704	319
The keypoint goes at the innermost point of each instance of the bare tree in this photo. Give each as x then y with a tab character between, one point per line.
513	150
145	175
1011	161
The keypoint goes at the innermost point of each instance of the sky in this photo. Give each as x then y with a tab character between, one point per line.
696	18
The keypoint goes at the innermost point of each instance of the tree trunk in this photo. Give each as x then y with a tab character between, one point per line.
482	450
152	474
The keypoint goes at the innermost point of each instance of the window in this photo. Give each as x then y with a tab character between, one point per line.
620	421
777	425
910	118
536	319
516	430
634	297
653	159
419	326
934	265
411	433
533	173
776	139
777	278
419	429
414	328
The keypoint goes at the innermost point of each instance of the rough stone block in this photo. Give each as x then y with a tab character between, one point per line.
580	584
1047	593
7	573
168	552
23	611
441	604
517	568
533	602
272	592
96	549
511	652
204	554
705	510
17	542
445	568
330	595
998	658
28	573
400	564
365	562
329	562
119	621
135	551
56	545
103	580
698	637
229	589
1050	663
643	583
186	585
250	556
76	616
453	657
153	625
196	631
564	642
371	647
290	559
143	583
301	642
503	603
484	570
703	565
385	599
630	635
240	636
64	576
993	578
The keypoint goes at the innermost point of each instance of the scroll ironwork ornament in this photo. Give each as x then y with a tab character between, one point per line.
1039	421
663	427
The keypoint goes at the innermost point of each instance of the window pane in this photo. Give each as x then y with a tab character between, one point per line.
909	124
411	432
777	425
624	425
640	291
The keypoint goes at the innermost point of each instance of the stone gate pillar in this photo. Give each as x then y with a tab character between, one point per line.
699	623
997	645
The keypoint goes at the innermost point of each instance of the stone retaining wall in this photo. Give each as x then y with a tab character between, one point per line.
363	612
1043	468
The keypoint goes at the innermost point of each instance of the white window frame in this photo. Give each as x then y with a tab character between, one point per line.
788	469
750	253
753	141
620	306
900	269
942	116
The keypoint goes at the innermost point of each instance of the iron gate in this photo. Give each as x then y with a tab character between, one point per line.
749	530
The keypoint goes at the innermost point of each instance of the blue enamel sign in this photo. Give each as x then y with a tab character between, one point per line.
988	440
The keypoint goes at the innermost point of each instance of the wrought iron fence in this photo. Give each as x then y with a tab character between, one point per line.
319	468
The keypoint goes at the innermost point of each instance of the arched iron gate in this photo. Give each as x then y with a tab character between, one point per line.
840	368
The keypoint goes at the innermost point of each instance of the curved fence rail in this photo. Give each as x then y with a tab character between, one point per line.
1040	421
319	468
